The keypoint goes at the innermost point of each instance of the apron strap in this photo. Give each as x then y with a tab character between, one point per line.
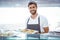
28	20
39	20
39	24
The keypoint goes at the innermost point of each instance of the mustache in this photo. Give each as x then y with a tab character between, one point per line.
33	10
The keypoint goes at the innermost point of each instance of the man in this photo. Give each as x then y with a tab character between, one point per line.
36	22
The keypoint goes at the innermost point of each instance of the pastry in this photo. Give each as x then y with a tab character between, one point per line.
25	30
30	31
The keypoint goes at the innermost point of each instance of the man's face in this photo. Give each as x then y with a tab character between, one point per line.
32	9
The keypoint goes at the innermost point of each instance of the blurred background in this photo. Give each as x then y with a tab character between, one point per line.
13	13
41	3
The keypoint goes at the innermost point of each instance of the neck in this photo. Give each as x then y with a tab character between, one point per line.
34	16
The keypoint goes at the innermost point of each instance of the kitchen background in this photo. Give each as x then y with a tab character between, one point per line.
13	13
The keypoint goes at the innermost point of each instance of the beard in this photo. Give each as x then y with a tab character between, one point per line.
33	12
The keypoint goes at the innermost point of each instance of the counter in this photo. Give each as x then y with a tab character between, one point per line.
24	36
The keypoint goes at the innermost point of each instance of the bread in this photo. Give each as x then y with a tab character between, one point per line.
25	30
28	31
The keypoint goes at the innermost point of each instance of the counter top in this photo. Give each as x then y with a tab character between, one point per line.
24	36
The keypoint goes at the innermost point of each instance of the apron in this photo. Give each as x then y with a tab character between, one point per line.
34	27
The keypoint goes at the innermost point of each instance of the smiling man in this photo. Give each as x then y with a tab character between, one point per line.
36	21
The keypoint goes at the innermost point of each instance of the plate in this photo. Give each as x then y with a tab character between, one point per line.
29	31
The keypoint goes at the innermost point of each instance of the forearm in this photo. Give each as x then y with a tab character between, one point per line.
46	30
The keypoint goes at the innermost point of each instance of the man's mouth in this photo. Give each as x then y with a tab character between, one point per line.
33	11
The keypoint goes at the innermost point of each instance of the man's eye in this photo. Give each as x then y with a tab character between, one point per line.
33	7
30	7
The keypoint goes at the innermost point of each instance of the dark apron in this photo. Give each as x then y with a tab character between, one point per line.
34	27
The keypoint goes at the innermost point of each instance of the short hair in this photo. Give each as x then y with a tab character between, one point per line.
30	3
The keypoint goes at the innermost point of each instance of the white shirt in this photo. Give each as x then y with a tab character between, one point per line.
43	22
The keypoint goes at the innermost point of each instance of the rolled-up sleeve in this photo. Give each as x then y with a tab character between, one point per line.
45	23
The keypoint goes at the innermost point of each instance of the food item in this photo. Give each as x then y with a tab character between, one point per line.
32	30
9	34
28	31
1	34
25	30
